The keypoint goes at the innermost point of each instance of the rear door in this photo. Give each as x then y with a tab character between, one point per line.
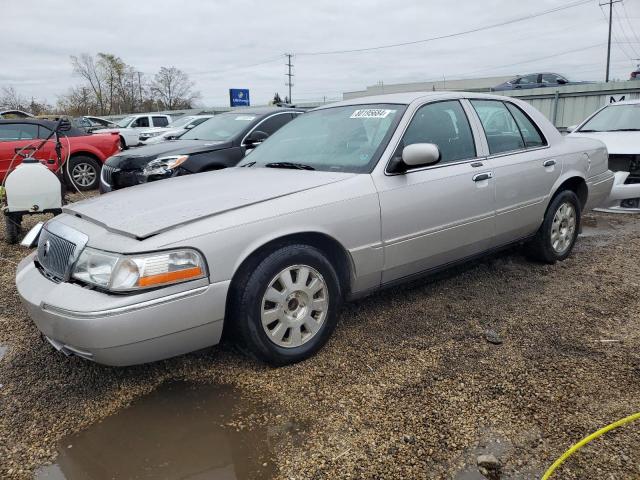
160	121
524	168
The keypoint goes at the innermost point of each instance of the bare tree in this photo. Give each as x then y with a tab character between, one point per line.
11	99
86	67
173	88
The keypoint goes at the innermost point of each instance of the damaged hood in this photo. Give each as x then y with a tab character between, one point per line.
148	209
618	143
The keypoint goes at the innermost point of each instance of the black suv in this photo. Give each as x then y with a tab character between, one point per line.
220	142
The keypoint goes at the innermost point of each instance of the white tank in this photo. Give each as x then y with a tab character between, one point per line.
32	187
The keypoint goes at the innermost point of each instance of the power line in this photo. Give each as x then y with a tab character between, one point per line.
628	19
238	67
451	35
623	29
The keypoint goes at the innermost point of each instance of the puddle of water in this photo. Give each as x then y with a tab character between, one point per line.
176	432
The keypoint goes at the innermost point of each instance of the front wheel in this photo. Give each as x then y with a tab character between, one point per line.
285	310
557	235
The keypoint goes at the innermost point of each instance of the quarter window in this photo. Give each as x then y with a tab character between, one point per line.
530	133
501	130
444	124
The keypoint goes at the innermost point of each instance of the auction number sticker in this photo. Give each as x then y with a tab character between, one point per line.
372	113
245	118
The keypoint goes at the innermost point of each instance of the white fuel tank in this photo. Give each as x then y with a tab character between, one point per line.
32	187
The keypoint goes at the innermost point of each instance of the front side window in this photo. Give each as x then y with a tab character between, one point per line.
141	122
344	139
615	118
529	79
445	124
272	124
552	79
221	127
501	130
19	131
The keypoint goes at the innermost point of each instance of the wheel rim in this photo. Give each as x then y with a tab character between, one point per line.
294	306
563	228
83	174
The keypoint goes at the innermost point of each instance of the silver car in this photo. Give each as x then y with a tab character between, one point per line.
342	201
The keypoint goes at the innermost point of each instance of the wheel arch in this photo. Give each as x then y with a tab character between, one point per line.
574	182
86	153
328	245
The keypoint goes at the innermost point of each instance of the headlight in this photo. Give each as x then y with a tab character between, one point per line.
163	165
122	273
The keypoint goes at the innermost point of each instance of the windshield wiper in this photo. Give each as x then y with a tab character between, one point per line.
590	131
625	130
292	165
247	165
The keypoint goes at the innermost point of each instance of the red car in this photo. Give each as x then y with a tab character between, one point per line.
88	152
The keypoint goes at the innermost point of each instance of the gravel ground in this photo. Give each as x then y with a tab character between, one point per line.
410	385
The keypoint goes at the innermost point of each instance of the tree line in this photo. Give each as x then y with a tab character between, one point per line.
109	86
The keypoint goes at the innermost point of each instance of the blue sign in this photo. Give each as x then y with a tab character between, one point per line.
239	97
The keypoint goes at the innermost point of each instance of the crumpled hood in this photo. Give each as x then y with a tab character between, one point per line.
138	157
618	143
145	210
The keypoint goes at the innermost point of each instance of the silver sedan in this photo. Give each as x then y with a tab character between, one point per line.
342	201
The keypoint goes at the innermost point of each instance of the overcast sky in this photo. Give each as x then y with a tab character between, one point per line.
218	42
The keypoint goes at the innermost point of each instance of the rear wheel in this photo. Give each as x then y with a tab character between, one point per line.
83	172
12	228
123	144
557	235
286	308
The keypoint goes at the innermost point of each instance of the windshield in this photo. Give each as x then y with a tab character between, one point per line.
614	118
124	123
346	139
220	127
180	122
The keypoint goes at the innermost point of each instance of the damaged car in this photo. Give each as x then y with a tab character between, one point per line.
347	199
618	126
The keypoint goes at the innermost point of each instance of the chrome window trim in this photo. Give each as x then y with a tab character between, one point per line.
242	144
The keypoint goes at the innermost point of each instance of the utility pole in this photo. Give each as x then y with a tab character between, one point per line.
289	75
610	2
140	88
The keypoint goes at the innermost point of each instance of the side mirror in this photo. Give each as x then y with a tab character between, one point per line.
571	128
420	154
257	136
562	81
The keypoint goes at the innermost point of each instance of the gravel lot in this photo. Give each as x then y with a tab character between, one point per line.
409	387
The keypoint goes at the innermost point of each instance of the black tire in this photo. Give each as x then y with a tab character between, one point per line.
123	143
247	304
12	228
541	247
89	166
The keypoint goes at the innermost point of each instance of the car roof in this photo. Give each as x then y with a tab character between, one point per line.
405	98
50	124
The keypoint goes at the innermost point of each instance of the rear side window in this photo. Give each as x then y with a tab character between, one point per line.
501	130
530	133
444	124
160	121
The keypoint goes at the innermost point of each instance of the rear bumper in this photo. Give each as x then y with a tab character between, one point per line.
122	330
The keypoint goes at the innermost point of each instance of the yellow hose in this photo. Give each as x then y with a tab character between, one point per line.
584	441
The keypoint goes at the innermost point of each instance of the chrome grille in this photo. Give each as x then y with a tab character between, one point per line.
55	254
107	174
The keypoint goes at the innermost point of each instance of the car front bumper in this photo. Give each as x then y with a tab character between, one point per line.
122	329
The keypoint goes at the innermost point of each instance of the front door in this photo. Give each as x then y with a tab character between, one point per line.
438	214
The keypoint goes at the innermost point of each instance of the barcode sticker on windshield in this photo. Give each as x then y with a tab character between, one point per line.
245	118
371	113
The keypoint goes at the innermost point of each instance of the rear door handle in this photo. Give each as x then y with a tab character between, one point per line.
549	163
482	176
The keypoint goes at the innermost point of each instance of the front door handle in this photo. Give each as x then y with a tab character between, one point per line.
482	176
549	163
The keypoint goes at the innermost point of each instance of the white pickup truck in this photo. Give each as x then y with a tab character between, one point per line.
130	126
